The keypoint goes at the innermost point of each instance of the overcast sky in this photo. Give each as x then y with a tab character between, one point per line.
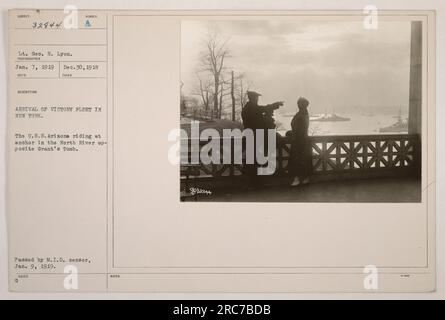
333	64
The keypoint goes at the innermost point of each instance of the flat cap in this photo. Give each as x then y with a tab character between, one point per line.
253	94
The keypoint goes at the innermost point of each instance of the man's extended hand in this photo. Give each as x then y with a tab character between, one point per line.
277	104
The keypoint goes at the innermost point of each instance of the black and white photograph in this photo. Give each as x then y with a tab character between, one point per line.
254	152
291	110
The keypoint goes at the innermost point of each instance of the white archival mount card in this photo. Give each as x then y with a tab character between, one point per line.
221	151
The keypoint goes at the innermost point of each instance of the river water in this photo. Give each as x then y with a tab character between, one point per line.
358	125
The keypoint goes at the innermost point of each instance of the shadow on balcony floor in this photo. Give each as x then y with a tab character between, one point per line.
394	190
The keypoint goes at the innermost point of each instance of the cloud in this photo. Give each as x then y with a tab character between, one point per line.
332	63
254	27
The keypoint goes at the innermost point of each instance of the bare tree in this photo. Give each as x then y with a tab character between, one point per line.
204	92
232	95
213	61
224	91
242	89
217	87
204	89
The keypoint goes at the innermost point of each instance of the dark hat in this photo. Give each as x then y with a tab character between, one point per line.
253	94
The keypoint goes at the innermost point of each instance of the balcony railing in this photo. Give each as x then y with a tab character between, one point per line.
336	157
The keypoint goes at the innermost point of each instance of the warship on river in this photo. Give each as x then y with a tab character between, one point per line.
327	117
332	117
400	126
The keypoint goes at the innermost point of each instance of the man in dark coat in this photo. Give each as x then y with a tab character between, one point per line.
254	117
301	152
